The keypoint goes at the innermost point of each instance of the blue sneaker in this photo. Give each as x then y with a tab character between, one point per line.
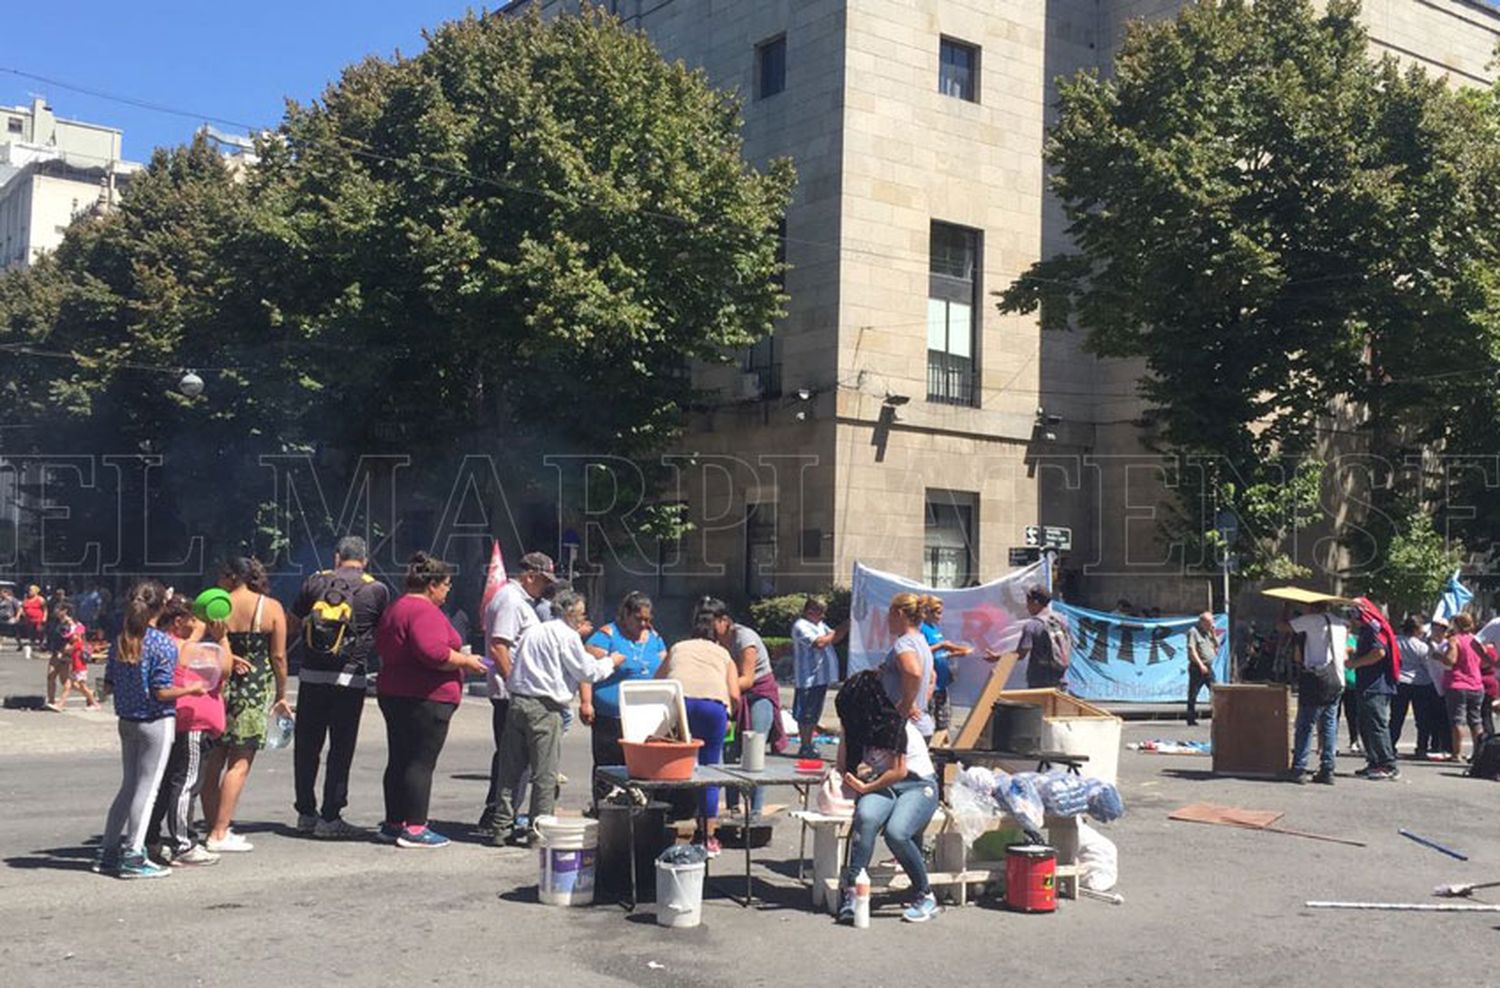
921	910
388	833
424	838
846	908
137	865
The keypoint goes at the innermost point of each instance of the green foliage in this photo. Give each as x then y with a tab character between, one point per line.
776	615
512	243
1417	563
1277	223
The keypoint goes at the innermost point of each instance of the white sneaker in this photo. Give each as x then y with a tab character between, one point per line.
194	856
339	829
307	823
232	843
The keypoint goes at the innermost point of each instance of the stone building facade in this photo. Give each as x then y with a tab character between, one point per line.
897	418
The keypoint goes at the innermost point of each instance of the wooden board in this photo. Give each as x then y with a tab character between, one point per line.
1250	730
1228	816
1297	595
979	715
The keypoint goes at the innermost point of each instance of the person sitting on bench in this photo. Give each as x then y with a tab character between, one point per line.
885	762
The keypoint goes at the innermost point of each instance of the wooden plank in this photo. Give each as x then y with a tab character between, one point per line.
979	716
1297	595
1229	816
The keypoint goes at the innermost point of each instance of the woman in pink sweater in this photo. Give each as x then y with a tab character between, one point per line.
420	686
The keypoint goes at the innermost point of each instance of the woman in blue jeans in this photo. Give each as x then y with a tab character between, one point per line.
759	708
710	688
885	762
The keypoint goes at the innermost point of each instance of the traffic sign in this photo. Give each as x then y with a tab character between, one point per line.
1022	556
1049	537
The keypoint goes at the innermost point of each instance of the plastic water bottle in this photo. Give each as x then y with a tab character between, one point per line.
862	900
279	732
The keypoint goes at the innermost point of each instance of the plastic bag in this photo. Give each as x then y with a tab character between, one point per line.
683	854
973	811
833	799
1021	799
1064	794
1099	859
978	778
1104	803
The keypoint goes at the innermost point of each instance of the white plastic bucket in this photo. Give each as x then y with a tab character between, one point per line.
679	894
566	857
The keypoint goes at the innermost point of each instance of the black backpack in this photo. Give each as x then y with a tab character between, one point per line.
1486	763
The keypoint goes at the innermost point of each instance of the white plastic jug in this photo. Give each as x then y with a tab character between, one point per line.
752	751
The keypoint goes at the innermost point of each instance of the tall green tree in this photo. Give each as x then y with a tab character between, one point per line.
1279	224
512	243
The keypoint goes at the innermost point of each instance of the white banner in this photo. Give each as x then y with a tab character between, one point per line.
988	617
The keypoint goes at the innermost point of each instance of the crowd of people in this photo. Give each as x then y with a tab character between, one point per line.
185	738
1442	674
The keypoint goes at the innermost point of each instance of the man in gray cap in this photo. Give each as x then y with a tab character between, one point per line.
511	614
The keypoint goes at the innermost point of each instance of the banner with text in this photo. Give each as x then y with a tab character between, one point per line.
1134	660
988	617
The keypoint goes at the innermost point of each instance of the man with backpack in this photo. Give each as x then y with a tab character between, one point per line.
1322	649
1044	645
339	609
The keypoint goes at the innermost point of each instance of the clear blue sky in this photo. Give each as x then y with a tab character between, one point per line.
235	59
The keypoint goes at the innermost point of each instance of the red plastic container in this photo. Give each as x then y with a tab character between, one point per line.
1031	878
661	761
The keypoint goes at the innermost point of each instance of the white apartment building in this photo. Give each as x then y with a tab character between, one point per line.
896	417
51	171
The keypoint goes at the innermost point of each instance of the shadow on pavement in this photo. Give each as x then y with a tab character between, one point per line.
77	858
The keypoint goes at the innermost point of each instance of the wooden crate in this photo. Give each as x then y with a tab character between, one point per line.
1250	730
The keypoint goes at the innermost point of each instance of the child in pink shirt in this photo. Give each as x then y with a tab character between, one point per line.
200	720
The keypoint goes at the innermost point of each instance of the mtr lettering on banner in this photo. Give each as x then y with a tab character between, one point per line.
1130	659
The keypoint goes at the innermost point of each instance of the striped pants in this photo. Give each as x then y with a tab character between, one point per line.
180	785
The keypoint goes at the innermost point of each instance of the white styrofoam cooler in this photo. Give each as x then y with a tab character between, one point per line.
653	707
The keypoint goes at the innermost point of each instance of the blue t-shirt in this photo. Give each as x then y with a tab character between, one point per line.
641	662
135	686
1377	678
939	655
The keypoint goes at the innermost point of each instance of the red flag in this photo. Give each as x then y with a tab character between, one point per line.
493	580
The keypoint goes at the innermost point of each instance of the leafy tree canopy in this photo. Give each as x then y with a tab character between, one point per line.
1277	223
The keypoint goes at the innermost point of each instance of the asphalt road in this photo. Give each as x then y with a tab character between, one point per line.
1204	905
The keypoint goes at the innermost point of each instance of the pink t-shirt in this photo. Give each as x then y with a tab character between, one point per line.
198	713
1464	674
413	640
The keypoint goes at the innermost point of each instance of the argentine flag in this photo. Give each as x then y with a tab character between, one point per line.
1455	597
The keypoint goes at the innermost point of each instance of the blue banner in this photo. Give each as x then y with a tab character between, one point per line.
1126	659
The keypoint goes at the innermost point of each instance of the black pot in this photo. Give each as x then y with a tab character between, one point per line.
1016	726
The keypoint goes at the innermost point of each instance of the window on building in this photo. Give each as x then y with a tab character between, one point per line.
950	547
14	125
770	67
952	314
763	359
760	548
958	70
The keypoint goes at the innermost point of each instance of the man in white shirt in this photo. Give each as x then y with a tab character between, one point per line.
510	615
1323	647
545	672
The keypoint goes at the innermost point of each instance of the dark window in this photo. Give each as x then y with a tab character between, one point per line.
952	313
14	125
763	359
760	549
950	544
770	67
958	70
